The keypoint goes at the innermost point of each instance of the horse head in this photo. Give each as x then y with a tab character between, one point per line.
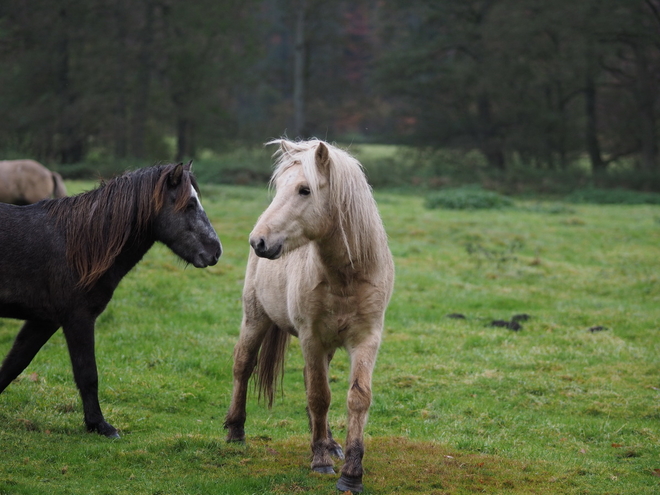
299	212
181	222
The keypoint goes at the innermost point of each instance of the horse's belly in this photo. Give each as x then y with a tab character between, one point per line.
17	312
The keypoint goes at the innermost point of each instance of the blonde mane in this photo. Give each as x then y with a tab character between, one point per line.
351	198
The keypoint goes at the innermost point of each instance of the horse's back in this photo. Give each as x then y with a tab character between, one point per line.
24	229
25	182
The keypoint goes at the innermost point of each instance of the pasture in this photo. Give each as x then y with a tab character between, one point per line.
569	403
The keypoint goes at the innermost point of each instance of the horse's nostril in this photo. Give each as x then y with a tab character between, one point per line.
259	244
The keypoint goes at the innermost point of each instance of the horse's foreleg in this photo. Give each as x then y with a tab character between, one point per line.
318	403
363	359
334	449
80	340
245	359
31	338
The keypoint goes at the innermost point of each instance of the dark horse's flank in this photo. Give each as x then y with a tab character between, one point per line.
62	259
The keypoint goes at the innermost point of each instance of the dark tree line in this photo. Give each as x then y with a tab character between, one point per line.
545	83
119	75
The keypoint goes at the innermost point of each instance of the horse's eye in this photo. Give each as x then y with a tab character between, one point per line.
192	204
304	191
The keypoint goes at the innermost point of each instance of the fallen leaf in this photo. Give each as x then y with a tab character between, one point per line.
617	445
656	472
34	377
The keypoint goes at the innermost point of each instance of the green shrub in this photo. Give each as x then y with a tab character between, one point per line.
467	198
613	197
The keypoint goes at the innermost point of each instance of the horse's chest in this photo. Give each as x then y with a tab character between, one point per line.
334	316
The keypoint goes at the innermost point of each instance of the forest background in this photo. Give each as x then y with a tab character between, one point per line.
547	93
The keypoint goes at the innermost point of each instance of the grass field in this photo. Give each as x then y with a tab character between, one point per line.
569	403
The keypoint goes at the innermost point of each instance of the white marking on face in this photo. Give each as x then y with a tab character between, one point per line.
194	194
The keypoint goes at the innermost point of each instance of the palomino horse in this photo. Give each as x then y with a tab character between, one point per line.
62	259
23	182
320	270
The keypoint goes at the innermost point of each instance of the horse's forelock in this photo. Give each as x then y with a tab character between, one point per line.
292	152
183	191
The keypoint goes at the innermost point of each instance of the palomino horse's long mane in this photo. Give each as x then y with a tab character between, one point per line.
351	198
99	223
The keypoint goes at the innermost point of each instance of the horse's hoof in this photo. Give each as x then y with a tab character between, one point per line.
351	484
105	429
324	470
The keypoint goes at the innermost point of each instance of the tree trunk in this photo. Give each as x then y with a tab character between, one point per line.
299	73
645	96
489	143
70	148
598	165
140	114
182	138
121	111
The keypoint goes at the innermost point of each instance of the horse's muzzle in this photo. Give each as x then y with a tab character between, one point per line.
210	255
263	250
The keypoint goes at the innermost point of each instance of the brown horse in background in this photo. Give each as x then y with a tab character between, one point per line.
23	182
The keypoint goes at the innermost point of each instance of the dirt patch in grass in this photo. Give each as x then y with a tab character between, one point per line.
399	465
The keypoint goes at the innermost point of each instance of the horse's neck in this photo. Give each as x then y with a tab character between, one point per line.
338	267
133	252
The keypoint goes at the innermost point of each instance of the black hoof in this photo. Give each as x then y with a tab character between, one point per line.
324	470
105	429
235	433
350	484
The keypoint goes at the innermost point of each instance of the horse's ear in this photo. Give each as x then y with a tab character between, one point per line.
188	166
285	147
174	178
322	157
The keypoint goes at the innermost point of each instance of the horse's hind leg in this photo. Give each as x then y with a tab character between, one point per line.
80	340
363	359
33	335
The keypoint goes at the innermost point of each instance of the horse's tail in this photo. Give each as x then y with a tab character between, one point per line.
59	190
270	363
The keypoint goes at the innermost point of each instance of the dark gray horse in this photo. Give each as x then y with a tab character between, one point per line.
62	259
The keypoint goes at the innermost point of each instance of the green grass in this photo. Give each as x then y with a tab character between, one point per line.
459	406
467	198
